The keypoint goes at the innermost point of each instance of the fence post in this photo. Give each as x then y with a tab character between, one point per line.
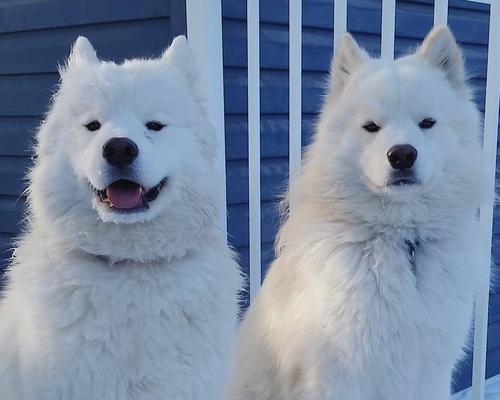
339	20
486	213
388	29
253	33
440	12
295	90
204	31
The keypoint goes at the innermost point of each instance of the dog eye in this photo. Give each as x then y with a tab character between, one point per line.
93	126
154	126
427	123
371	127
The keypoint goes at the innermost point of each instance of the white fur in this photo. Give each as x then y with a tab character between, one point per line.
115	306
341	314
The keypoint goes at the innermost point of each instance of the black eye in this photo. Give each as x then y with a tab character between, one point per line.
427	123
371	126
154	126
93	126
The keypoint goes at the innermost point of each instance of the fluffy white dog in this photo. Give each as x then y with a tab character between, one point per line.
122	287
371	295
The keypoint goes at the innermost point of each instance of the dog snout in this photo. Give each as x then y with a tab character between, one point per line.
402	156
120	151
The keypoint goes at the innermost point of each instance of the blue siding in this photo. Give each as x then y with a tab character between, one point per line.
414	18
35	37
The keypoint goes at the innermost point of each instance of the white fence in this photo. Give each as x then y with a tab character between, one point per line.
204	25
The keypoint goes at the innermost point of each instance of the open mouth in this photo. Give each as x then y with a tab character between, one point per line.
126	195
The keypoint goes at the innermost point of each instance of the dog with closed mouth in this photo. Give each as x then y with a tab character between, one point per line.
371	294
122	286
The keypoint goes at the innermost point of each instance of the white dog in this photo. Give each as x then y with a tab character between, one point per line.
122	287
371	295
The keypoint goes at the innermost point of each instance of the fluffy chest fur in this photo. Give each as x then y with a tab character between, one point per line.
351	319
389	326
88	330
371	296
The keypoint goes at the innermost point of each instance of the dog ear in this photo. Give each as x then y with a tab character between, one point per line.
181	56
441	50
82	53
348	58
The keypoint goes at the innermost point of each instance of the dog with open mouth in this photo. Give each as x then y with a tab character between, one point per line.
122	286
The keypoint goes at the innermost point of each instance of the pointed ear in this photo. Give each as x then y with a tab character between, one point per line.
347	59
82	53
181	56
441	50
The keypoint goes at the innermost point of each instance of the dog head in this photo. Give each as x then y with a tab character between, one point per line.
126	151
404	130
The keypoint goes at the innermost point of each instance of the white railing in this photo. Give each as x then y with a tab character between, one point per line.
295	87
204	25
253	24
486	213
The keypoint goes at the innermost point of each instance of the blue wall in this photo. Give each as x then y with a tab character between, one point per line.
35	36
413	20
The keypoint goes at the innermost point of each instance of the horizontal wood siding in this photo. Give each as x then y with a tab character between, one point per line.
469	22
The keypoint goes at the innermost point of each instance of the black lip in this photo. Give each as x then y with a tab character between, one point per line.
146	195
405	179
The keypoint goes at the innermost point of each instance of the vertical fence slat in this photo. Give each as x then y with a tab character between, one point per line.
440	12
295	90
388	28
486	221
204	31
254	145
339	20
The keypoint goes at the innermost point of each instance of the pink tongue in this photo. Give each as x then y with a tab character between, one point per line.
125	198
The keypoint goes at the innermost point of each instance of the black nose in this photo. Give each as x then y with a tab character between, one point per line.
120	151
402	156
